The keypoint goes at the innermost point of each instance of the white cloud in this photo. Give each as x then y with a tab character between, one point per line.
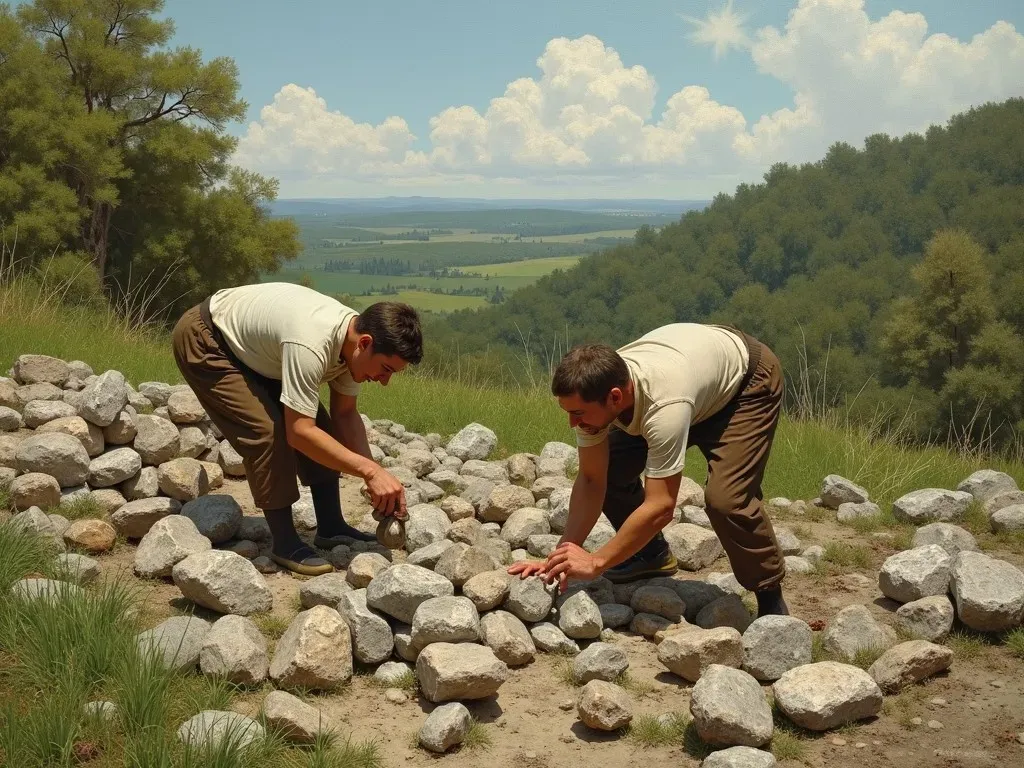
589	118
722	30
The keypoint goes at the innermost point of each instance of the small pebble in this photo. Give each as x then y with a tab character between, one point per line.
839	742
998	684
566	739
395	696
916	721
860	745
974	705
1020	737
531	755
935	725
938	702
566	705
877	743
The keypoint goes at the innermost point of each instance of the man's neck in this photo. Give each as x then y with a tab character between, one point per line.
625	415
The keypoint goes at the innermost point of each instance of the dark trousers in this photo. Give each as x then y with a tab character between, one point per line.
735	442
247	408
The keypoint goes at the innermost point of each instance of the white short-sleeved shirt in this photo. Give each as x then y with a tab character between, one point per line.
288	332
682	373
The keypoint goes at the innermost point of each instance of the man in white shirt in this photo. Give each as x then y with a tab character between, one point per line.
636	410
256	357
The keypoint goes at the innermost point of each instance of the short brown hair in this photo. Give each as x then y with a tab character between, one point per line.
395	328
591	371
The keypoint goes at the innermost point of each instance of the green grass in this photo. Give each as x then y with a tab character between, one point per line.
424	301
845	554
20	554
966	646
478	737
80	508
648	731
1014	642
526	268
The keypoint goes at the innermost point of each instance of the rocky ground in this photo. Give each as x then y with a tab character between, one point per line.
895	652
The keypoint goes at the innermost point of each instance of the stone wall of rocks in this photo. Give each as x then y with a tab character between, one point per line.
443	607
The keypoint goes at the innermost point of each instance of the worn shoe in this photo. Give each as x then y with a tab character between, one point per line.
303	561
348	539
638	567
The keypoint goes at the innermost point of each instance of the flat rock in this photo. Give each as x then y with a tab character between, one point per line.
297	721
660	601
986	483
604	706
773	645
826	695
689	652
447	619
930	505
599	661
1009	518
445	727
177	641
223	582
315	652
988	593
36	369
550	639
951	538
740	757
399	590
48	590
235	650
836	490
428	556
135	518
508	637
448	671
39	412
909	663
729	708
371	635
915	573
850	511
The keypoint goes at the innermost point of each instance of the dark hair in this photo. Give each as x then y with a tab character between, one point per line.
395	328
591	371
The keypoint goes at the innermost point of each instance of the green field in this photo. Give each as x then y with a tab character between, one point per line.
337	283
425	301
532	268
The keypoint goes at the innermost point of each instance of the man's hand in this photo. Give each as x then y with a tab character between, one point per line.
527	568
387	494
571	561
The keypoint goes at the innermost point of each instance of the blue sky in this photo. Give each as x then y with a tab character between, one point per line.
368	62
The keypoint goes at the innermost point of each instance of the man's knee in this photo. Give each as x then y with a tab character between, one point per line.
721	500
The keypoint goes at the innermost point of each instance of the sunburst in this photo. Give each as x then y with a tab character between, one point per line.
721	30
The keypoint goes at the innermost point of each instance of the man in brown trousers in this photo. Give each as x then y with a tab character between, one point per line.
256	357
636	410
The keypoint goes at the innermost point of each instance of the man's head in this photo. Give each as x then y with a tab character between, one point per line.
590	383
387	338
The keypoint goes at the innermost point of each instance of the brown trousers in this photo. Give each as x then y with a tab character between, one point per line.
247	408
736	442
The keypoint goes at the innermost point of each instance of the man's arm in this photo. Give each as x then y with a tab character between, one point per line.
587	498
644	523
347	425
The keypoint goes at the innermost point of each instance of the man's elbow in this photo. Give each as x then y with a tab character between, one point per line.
663	515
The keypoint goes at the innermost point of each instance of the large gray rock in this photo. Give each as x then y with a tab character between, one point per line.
78	569
836	490
729	707
557	458
522	469
614	615
988	593
421	462
508	637
156	440
579	617
114	467
223	582
986	483
122	429
58	455
1001	500
503	501
855	629
145	485
177	642
445	620
39	412
135	518
428	556
546	486
930	618
235	650
473	441
604	706
488	590
930	505
169	541
24	395
826	695
690	651
693	547
524	523
740	757
427	524
36	369
848	511
104	398
449	481
10	419
1009	518
183	479
951	538
661	601
728	611
35	489
599	661
449	671
494	471
460	563
372	639
915	573
909	663
191	442
530	599
445	727
184	407
315	652
48	590
326	589
550	639
399	590
296	720
478	493
217	517
156	392
212	728
773	645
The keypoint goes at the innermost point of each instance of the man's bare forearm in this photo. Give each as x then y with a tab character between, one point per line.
639	528
585	505
326	450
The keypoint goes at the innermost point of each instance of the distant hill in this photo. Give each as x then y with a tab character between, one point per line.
381	205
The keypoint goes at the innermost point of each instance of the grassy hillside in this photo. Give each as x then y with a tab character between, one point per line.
524	419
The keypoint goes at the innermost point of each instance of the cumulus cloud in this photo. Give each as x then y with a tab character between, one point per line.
588	115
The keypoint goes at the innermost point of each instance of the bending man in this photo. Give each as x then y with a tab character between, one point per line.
256	357
636	410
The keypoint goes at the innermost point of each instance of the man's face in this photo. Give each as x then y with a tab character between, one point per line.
591	417
367	365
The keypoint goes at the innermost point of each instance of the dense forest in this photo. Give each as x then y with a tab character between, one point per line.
888	279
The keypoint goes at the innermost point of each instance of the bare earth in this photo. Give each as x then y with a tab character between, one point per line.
981	717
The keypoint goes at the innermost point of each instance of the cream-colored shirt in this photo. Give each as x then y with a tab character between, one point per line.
288	332
682	373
